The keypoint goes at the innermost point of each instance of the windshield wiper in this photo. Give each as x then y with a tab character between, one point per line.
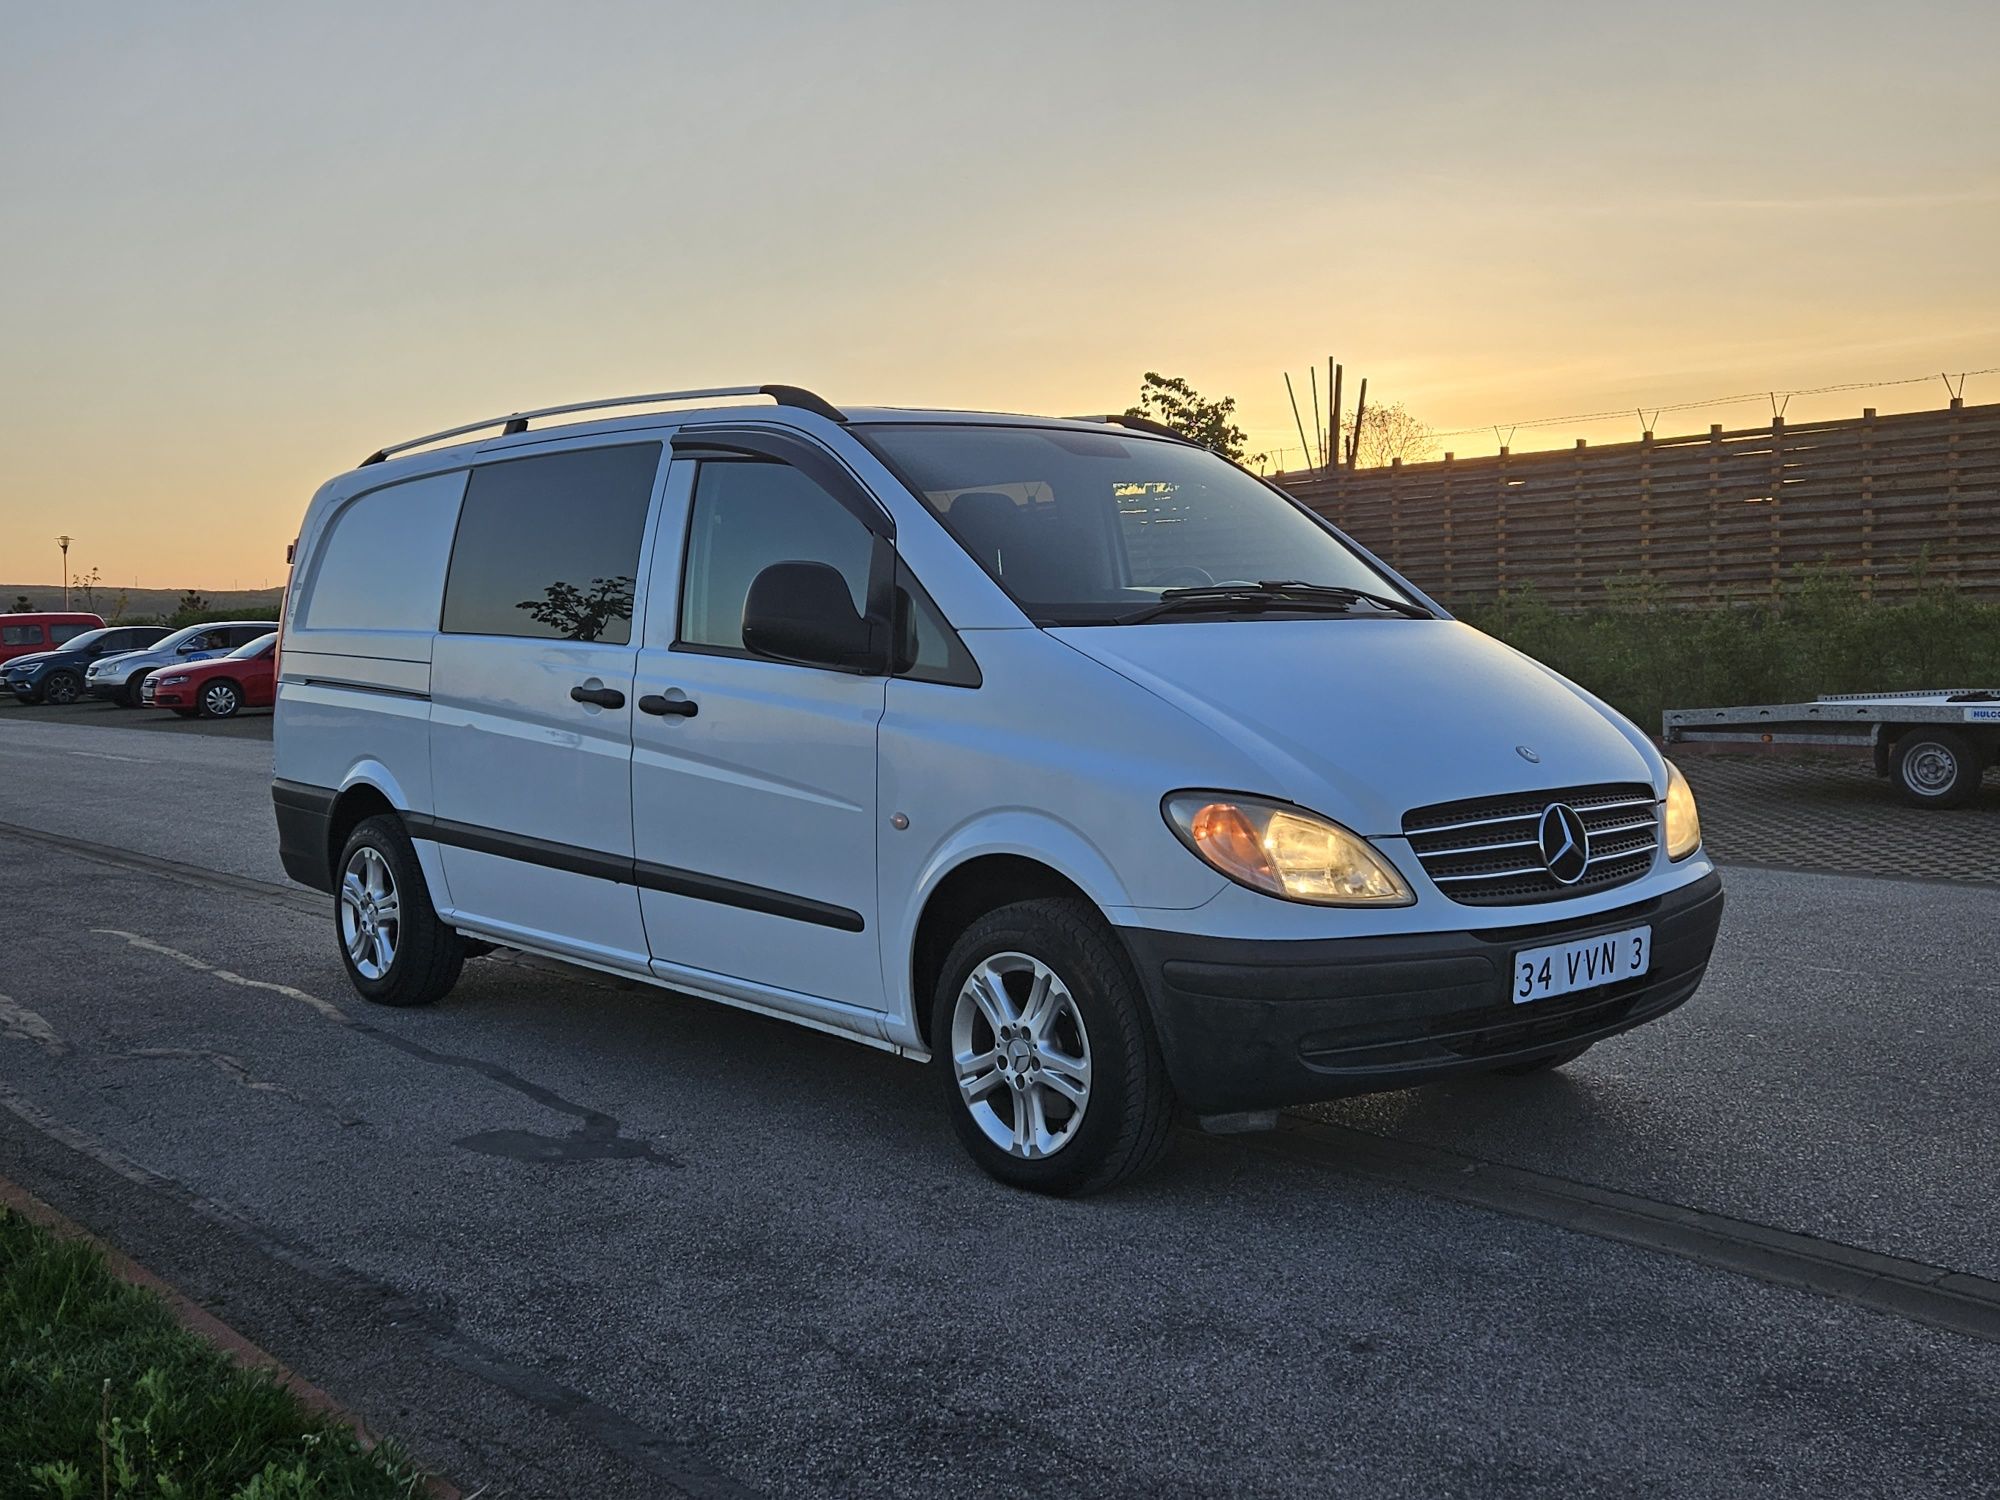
1283	593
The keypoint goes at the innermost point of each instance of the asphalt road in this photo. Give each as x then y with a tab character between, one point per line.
571	1237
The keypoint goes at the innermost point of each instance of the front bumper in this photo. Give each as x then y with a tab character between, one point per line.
1251	1025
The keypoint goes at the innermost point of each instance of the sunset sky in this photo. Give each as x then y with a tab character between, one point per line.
245	244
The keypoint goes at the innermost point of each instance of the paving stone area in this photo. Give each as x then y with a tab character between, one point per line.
1836	815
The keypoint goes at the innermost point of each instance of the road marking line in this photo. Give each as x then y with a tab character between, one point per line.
229	976
17	1021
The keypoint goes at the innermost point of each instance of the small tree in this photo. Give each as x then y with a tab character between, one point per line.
23	605
192	603
1174	403
85	585
1390	432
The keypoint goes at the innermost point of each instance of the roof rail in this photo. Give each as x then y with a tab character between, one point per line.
513	422
1140	424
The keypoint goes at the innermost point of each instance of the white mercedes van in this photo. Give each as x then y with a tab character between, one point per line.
1061	754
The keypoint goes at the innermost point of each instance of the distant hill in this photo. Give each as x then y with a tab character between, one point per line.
141	605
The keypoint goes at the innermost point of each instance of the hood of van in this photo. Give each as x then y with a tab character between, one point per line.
1363	719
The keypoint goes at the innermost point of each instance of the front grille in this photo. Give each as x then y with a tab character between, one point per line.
1486	851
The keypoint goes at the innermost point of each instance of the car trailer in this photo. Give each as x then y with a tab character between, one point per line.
1935	744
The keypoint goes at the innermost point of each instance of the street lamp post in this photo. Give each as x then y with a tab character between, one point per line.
63	542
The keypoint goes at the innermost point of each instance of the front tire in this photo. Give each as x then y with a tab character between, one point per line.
1936	768
131	698
61	689
220	699
396	950
1043	1051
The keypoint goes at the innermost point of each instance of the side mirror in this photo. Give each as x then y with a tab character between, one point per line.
802	612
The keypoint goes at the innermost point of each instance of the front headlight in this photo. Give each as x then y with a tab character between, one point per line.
173	681
1683	822
1284	851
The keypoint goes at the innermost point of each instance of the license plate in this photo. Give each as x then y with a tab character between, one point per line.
1564	968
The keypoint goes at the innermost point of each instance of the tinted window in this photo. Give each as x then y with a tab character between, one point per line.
20	635
381	563
746	517
549	547
930	649
61	633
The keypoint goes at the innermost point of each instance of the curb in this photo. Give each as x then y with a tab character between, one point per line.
199	1321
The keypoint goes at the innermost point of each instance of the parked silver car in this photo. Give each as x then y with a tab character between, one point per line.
119	677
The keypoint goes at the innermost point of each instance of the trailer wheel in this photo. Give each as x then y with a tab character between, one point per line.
1935	768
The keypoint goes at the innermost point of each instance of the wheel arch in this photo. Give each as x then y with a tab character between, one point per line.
961	896
368	790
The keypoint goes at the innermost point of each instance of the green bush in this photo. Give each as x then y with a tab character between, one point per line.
1822	636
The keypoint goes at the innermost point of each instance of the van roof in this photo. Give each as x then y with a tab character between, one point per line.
793	399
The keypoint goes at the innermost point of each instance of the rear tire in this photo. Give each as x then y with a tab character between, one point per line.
60	690
1043	1053
1543	1064
1936	768
396	950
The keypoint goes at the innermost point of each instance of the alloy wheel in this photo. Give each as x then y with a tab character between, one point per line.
1021	1055
370	913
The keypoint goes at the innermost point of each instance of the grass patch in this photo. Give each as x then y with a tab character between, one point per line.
103	1394
1823	636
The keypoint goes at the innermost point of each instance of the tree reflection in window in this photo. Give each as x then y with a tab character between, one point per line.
582	614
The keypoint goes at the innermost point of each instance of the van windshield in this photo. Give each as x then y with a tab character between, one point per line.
1087	528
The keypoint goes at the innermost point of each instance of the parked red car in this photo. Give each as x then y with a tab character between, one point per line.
20	634
219	687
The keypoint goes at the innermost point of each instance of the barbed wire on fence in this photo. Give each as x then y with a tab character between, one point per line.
1773	395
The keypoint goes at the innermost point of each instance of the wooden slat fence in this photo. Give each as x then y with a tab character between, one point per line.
1715	519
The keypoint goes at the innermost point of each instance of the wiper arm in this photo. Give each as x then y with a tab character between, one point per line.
1273	594
1407	607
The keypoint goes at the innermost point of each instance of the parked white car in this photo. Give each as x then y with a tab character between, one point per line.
1063	754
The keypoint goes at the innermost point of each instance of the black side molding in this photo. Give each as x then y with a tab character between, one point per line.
623	870
750	897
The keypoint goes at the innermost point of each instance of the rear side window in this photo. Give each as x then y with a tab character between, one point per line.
61	633
747	516
20	635
381	563
548	547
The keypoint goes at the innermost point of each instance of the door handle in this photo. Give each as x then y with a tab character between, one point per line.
653	703
602	697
